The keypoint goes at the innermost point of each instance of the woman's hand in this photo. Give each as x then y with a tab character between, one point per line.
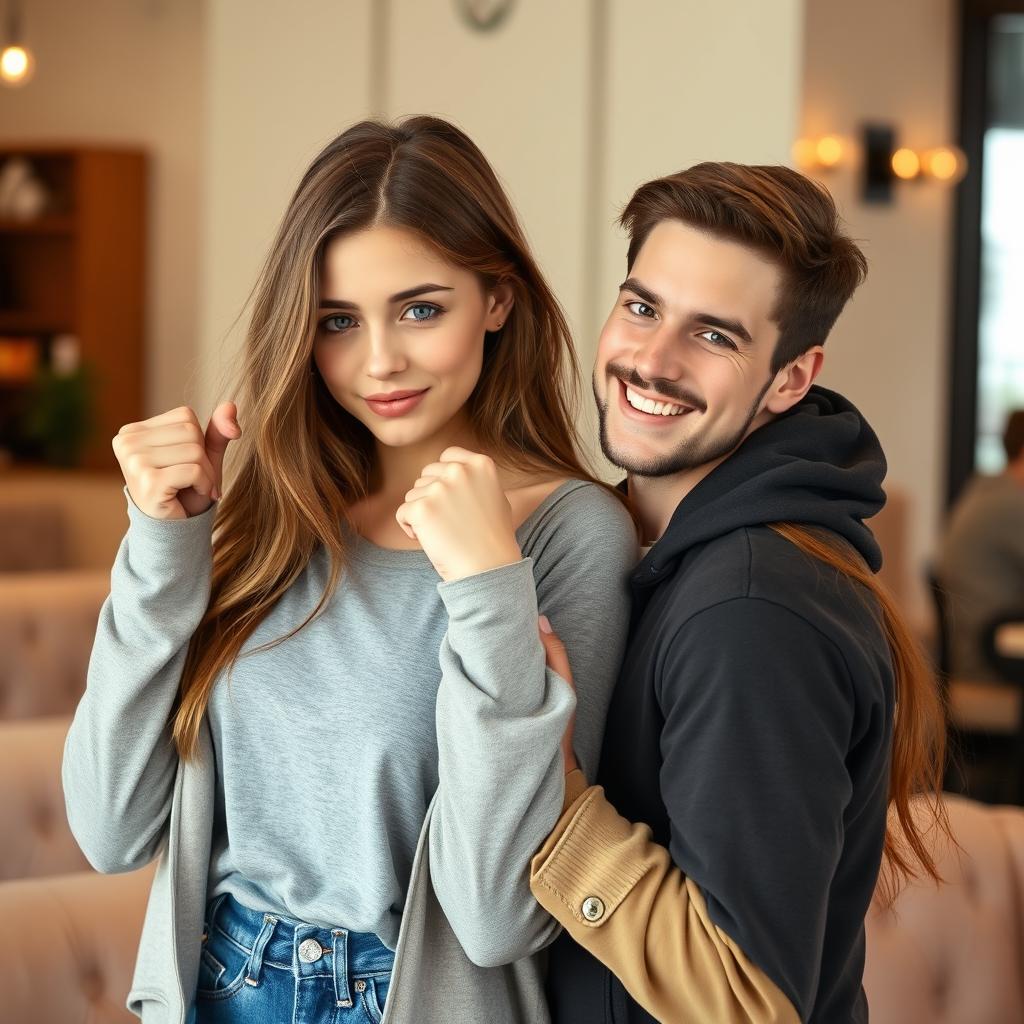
173	469
558	662
460	516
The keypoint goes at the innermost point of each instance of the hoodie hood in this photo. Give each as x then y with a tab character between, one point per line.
820	464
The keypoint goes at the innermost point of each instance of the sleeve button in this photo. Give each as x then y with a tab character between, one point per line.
593	908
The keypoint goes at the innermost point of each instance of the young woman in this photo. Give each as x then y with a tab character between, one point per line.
344	763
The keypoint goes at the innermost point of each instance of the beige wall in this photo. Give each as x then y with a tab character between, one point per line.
279	86
574	103
687	82
895	64
129	71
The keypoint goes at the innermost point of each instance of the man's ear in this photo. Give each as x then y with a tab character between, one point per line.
792	382
500	300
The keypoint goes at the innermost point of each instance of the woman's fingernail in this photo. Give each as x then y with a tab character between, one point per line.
545	625
215	494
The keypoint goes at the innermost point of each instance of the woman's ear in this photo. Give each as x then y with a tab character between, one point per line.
795	380
500	300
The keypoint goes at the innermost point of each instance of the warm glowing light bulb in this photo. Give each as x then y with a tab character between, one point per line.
906	164
946	163
16	65
804	152
829	150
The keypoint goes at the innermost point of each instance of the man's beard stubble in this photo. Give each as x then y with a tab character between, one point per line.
692	453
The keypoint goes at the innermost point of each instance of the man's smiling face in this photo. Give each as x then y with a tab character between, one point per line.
684	359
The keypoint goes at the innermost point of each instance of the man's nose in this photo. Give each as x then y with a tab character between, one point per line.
659	358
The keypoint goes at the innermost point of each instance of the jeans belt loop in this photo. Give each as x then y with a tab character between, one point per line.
212	917
342	995
255	964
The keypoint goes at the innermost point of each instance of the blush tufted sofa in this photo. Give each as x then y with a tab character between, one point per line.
36	838
955	954
47	626
68	945
59	532
947	955
68	936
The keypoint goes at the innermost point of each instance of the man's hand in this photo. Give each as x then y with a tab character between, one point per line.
558	662
460	516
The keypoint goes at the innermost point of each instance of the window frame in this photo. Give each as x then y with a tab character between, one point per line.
975	20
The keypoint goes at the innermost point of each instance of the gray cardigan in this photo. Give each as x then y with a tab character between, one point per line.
500	784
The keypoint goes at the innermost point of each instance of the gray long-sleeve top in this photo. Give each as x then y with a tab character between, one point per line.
330	746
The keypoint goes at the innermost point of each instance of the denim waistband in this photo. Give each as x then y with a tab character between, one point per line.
305	949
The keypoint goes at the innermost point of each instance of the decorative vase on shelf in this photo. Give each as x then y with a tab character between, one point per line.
23	196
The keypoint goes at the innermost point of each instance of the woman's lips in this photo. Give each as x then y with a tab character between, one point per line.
397	404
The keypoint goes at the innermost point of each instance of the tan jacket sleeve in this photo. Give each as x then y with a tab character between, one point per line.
620	896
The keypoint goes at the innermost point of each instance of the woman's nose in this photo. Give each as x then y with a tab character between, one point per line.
385	357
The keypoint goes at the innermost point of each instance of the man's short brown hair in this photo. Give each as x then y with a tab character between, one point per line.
777	211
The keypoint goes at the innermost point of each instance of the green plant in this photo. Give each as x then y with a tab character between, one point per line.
59	418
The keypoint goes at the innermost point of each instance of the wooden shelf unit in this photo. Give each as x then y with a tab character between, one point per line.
81	269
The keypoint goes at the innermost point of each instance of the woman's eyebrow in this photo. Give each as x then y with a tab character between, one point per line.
409	293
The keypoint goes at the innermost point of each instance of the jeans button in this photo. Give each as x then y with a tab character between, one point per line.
310	951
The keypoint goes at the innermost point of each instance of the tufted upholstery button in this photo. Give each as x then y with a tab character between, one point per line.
42	820
91	983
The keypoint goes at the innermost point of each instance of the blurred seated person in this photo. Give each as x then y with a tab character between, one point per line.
981	561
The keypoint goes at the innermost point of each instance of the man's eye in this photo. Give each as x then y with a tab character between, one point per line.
641	309
720	340
421	311
335	324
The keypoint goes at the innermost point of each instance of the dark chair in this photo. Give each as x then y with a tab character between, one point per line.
977	743
1011	670
942	642
954	779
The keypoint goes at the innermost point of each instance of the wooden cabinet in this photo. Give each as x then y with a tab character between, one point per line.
77	270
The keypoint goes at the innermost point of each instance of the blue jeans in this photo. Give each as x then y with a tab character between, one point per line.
263	969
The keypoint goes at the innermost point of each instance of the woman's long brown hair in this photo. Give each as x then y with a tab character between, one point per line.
919	728
302	461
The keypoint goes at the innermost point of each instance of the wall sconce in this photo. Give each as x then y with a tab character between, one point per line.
884	164
16	62
823	154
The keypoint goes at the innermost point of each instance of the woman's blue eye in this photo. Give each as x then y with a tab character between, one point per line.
641	309
421	311
334	324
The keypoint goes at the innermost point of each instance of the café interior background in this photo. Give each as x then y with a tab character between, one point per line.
575	102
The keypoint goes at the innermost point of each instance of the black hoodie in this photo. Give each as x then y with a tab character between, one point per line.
751	724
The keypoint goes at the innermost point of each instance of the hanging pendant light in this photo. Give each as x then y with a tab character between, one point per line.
16	60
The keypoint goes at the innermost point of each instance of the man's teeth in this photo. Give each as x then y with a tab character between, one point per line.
652	407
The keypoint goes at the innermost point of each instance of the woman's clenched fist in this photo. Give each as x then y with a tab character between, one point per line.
173	469
460	516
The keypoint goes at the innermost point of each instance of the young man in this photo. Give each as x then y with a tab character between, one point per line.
753	728
981	559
